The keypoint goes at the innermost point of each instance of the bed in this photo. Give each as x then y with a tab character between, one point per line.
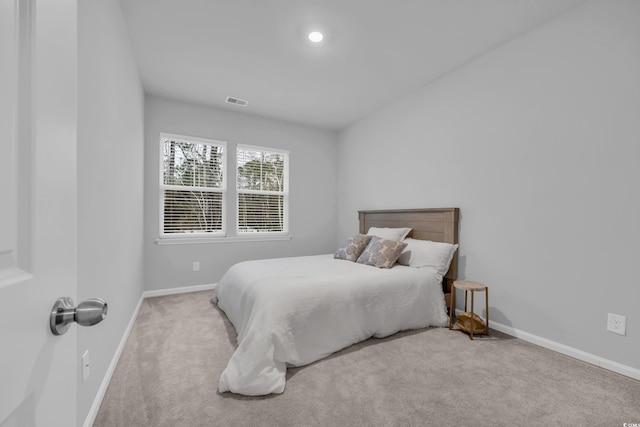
294	311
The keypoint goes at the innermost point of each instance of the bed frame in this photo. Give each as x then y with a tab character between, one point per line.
438	225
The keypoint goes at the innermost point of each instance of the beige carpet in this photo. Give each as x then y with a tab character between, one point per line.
169	369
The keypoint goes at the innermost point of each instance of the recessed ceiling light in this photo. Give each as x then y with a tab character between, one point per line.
316	36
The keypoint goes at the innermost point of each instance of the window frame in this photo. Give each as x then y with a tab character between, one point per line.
228	189
285	193
223	189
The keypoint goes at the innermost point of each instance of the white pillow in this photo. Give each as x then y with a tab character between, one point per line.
425	253
397	234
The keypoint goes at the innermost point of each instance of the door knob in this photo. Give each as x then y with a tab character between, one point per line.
87	313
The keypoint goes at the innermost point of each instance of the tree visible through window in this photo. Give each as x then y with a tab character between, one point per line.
193	185
262	185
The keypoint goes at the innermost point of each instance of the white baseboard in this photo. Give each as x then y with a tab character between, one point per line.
181	290
93	412
610	365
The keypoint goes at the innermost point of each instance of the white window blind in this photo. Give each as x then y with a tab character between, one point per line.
192	185
262	176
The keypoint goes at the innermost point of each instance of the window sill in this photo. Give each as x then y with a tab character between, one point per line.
221	239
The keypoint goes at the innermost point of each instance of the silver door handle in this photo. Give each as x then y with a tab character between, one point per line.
87	313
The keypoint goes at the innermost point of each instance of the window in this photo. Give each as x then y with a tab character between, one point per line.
192	186
194	192
262	177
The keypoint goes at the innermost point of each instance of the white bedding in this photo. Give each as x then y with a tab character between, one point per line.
294	311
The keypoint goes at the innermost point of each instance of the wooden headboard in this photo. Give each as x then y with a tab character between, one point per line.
438	225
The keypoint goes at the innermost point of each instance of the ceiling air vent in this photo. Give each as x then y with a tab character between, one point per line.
236	101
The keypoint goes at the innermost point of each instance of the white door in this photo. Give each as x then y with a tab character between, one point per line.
38	93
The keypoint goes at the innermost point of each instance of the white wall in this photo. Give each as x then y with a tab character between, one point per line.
312	203
110	184
538	143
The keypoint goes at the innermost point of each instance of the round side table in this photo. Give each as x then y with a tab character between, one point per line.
468	321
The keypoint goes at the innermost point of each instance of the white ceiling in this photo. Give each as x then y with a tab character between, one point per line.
375	51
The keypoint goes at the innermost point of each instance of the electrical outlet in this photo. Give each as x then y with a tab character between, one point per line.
196	265
617	324
85	366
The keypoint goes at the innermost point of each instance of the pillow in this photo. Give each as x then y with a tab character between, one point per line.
397	234
352	247
425	253
381	253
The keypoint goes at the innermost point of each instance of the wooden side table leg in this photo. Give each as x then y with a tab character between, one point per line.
452	305
486	293
471	330
465	300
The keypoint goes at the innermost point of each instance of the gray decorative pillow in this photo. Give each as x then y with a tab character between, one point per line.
381	253
352	247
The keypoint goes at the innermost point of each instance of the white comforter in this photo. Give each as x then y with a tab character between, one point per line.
294	311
